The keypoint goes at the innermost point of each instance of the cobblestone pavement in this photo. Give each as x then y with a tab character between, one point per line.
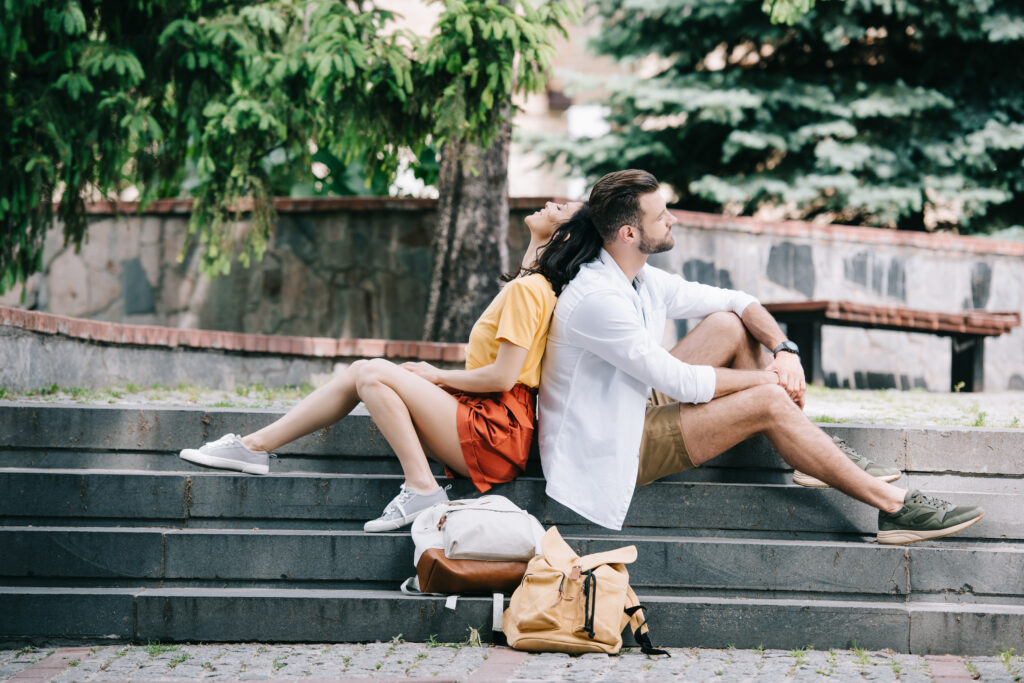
400	661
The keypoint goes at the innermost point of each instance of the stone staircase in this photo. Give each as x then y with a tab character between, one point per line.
106	534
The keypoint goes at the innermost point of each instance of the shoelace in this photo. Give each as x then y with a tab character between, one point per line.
936	503
846	448
404	496
225	440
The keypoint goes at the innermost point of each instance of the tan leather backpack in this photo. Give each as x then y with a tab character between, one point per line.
573	604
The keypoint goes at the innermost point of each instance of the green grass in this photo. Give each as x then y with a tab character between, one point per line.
862	656
177	659
156	648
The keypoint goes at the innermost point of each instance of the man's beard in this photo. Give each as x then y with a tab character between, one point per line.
649	247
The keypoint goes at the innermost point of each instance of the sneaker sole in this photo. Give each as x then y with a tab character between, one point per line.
906	536
802	479
374	526
200	458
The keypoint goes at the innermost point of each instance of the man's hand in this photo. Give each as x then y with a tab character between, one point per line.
791	375
424	370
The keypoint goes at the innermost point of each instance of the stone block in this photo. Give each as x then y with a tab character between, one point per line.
292	555
67	285
317	616
958	449
992	569
776	624
81	495
940	628
138	292
103	287
53	613
43	552
697	565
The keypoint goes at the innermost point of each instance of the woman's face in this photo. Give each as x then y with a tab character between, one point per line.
545	221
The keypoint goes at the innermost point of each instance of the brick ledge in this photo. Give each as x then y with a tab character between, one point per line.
297	205
169	337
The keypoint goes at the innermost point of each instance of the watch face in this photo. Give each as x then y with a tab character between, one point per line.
787	346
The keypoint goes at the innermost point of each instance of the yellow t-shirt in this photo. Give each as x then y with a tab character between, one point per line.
520	315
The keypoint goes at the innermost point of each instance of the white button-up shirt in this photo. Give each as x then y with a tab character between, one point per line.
604	353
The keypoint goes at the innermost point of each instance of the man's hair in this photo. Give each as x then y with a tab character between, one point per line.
615	201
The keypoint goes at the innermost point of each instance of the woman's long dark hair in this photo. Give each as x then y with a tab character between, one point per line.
574	243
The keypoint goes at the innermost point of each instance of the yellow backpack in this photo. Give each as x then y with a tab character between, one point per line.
573	604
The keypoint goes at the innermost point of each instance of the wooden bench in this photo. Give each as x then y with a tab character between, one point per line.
966	329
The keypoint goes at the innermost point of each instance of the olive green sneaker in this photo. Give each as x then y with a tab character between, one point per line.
871	467
922	518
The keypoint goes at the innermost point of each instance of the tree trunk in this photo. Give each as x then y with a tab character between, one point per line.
471	237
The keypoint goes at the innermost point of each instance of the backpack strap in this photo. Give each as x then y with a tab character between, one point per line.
624	555
638	622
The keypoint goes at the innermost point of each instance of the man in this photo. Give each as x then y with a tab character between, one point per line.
604	342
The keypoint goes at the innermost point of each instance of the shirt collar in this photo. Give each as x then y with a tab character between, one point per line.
619	276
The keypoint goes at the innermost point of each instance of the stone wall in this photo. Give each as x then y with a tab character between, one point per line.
359	267
794	261
347	267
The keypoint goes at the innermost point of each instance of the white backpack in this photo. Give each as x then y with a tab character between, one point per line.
485	528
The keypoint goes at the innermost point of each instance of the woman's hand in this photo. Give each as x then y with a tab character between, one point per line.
425	370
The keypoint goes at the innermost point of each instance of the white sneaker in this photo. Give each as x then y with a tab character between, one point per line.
229	453
404	508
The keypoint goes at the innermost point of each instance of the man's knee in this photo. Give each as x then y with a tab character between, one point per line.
770	403
727	321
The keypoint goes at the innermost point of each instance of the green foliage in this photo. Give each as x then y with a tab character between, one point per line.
99	95
906	114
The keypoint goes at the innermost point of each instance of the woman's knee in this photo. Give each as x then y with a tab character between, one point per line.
372	371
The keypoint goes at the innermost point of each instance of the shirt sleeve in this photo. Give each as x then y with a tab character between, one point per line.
523	312
685	299
608	325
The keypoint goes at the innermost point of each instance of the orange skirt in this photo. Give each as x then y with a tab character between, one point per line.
496	431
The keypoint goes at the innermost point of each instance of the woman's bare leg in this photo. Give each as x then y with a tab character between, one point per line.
320	409
408	408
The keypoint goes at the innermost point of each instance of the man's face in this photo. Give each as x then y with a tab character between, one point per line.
656	231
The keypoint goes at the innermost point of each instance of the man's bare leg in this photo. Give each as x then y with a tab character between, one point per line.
712	428
721	341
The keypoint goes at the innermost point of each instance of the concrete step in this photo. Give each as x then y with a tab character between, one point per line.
142	437
133	498
678	565
303	615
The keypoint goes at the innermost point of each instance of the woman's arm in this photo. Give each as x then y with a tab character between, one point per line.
501	375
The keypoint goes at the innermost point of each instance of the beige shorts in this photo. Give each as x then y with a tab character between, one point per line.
662	451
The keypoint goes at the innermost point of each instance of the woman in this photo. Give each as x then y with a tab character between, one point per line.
478	422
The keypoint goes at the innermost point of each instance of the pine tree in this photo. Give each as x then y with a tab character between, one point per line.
900	113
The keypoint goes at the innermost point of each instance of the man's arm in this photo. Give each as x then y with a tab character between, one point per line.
685	299
762	326
609	326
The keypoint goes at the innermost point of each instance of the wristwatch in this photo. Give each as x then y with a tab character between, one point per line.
786	346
